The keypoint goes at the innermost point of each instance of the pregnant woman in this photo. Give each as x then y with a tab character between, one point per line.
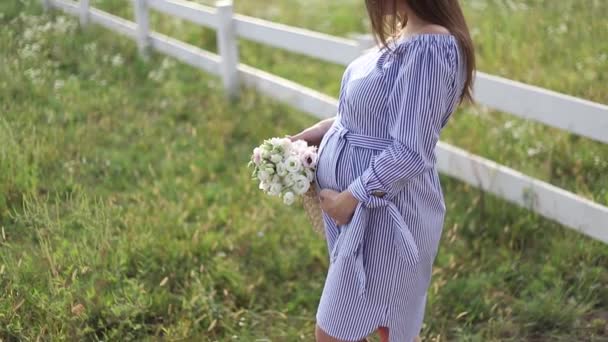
382	202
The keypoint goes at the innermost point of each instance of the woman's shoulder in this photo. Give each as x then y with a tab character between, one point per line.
422	63
424	51
429	43
365	56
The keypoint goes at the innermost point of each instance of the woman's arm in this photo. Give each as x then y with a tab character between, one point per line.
418	102
314	134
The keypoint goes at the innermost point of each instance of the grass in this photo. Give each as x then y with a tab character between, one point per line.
127	212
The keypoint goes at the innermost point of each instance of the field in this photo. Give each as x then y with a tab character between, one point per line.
127	211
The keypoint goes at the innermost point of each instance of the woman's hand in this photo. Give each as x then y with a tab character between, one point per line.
340	206
313	134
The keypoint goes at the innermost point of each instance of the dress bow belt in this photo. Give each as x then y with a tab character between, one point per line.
354	231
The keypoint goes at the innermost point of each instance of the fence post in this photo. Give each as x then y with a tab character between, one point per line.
228	49
365	41
46	4
143	28
84	13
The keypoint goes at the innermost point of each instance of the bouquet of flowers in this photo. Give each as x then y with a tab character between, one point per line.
286	169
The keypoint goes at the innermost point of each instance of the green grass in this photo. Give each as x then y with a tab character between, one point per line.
127	212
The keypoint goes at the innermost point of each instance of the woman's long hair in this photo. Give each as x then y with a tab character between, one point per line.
386	22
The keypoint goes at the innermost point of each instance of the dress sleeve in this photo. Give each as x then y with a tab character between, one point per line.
343	83
418	102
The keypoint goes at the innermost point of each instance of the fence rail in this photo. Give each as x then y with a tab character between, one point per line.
195	13
578	116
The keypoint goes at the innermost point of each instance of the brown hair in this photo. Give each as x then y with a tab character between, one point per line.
386	22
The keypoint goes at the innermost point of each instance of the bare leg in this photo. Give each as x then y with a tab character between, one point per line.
383	332
322	336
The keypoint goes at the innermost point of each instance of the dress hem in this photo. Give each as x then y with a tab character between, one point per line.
318	322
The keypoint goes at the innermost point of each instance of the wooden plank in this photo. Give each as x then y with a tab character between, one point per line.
228	49
142	18
187	10
186	53
543	198
115	23
305	99
307	42
311	43
582	117
66	6
84	13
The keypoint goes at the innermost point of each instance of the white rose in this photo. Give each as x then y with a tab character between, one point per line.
289	179
275	141
275	189
299	145
263	175
265	153
286	143
264	186
276	158
310	174
288	198
301	184
293	164
281	170
276	145
276	179
298	150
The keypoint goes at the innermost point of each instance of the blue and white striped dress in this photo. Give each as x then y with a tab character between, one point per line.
392	107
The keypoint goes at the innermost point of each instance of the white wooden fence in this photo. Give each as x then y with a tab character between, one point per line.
578	116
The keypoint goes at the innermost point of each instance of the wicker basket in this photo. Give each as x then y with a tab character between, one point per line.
312	206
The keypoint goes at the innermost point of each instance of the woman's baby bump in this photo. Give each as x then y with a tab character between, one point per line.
351	164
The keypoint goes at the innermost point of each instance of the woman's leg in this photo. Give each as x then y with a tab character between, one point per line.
383	332
322	336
